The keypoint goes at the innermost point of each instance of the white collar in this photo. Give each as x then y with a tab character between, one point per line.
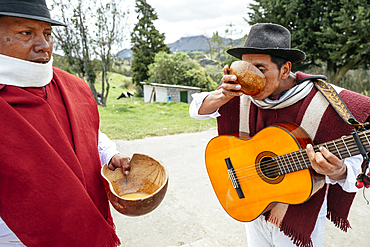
22	73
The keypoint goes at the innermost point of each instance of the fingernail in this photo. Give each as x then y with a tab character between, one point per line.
127	172
233	77
309	146
237	87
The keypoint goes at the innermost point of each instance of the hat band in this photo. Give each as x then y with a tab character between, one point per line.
30	9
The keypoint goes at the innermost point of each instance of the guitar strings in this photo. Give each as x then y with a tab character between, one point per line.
268	173
271	170
285	156
298	151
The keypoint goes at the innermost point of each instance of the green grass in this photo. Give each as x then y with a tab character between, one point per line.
123	119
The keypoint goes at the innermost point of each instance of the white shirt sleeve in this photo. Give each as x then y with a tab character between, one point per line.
353	170
7	237
107	148
197	103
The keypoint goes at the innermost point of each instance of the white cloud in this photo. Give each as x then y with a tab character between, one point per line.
184	10
181	18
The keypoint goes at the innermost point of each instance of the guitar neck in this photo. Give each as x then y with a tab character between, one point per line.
342	148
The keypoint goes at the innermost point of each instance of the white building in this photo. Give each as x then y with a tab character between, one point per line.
155	92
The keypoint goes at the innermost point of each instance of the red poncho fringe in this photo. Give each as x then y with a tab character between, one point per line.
299	220
51	192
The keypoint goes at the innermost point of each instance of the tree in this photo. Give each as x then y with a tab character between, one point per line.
106	36
74	39
81	41
336	32
179	69
146	41
218	46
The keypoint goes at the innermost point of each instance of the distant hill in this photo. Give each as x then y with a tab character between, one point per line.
124	54
185	44
193	43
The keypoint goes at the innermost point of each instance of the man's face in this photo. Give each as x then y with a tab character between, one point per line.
269	69
25	39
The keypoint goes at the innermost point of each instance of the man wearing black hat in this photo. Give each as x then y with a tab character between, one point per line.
288	97
51	149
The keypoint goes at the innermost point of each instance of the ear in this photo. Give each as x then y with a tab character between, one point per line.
285	70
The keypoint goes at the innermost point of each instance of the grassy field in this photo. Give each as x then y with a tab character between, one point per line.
128	120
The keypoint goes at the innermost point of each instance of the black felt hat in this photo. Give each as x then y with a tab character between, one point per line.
271	39
29	9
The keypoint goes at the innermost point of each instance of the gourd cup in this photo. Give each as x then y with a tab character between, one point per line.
251	79
148	178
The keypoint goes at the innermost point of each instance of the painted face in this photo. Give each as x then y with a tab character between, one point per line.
274	81
26	39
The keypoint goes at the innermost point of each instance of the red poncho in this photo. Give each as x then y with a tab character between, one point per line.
51	192
299	220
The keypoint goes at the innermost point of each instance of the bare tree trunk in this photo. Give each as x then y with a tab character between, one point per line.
81	41
107	36
90	75
105	81
344	69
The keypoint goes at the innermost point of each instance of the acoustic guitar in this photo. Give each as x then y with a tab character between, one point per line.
249	175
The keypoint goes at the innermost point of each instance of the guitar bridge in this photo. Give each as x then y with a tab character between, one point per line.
234	178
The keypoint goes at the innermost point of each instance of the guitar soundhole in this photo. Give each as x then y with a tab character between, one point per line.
267	168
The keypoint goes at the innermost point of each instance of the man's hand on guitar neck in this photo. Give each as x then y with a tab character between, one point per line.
326	163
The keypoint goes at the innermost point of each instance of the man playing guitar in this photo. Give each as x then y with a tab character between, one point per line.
288	97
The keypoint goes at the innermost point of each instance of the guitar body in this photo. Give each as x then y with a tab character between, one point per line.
256	175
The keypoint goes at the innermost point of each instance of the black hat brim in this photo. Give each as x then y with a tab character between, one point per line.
32	17
293	55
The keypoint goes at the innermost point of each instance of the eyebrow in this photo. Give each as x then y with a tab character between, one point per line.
27	26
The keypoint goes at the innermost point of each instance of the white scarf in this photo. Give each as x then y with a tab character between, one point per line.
291	97
22	73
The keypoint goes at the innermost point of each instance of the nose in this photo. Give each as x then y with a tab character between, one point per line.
42	44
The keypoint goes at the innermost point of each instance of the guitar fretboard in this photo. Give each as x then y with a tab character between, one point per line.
342	148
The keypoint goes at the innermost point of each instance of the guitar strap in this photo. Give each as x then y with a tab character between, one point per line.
337	103
340	107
